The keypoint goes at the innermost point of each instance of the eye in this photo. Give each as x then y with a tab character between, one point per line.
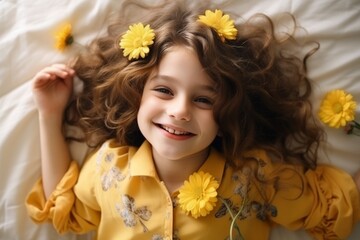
163	91
204	102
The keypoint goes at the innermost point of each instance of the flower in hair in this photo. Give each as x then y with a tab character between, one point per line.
63	37
221	23
198	195
136	41
337	109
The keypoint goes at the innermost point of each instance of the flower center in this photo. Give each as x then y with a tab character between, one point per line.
198	193
337	108
138	42
69	40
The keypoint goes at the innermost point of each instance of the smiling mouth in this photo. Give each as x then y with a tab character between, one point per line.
173	131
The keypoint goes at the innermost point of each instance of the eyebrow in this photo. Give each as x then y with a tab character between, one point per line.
166	78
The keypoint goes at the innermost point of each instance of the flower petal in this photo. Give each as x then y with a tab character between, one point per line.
220	23
136	41
337	109
63	37
198	195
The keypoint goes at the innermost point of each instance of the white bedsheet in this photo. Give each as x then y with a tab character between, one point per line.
26	46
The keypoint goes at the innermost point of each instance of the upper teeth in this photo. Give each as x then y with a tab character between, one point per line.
173	131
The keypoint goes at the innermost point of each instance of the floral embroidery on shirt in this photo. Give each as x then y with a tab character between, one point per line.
262	210
100	155
109	156
132	215
242	180
160	237
242	189
157	237
111	178
228	204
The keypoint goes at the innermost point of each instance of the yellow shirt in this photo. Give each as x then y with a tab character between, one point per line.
119	194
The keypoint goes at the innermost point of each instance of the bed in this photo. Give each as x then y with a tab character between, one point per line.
26	46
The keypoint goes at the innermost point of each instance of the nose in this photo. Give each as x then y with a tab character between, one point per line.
179	108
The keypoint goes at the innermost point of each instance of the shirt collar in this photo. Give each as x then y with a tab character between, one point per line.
141	161
214	165
142	164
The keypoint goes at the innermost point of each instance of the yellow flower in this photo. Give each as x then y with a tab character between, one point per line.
221	23
198	196
136	41
63	37
337	109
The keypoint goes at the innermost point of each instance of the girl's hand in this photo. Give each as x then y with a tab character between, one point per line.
52	88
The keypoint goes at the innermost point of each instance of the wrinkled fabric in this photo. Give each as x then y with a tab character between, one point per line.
119	194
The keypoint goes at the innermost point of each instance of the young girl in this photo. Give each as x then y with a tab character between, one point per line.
201	130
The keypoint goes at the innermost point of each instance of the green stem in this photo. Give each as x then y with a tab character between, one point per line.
356	128
231	215
233	221
357	125
236	216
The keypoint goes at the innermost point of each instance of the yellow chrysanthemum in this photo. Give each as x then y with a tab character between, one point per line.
136	41
63	37
223	25
337	108
198	195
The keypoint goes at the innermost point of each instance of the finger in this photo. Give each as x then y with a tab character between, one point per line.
40	78
58	72
41	75
64	68
68	81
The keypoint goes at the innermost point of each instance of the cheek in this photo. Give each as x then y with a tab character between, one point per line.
214	125
215	130
148	108
142	113
210	125
148	104
143	119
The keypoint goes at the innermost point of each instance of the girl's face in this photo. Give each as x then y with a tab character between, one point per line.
175	113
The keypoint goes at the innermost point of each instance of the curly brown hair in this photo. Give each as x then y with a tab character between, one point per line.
263	90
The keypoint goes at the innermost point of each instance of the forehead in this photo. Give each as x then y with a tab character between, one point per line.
182	63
